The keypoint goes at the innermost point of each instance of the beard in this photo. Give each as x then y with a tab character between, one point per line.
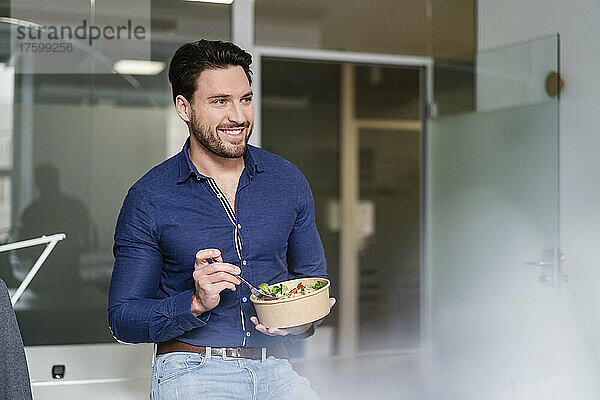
210	139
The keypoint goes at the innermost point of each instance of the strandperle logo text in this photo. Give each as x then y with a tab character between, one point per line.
82	32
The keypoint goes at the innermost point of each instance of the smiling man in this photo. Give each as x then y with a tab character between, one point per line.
194	223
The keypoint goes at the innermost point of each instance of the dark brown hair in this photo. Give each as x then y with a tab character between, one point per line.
192	58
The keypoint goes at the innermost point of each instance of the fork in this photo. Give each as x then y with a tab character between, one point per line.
256	292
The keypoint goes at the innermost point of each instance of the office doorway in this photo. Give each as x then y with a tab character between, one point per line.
355	130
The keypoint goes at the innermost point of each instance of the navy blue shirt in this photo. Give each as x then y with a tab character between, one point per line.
172	212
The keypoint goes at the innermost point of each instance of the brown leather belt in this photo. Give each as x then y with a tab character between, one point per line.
254	353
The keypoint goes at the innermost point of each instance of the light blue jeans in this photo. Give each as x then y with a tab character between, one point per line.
183	376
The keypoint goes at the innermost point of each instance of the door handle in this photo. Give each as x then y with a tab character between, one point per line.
547	276
544	262
539	263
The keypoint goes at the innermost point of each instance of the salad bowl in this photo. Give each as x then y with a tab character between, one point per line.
299	302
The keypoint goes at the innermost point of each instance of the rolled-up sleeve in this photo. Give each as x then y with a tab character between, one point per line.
135	313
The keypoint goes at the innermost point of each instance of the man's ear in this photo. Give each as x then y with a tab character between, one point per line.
183	108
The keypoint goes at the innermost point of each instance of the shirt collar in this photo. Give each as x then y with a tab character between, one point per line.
187	167
250	159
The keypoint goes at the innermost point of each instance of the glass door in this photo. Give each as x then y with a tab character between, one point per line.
492	272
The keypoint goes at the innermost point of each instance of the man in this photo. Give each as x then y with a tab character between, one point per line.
189	227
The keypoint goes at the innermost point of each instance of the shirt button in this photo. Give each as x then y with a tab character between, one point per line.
248	334
244	299
239	226
244	262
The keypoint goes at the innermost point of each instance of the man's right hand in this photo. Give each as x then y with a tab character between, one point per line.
211	279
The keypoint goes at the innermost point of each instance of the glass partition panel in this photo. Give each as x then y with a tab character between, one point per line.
492	234
506	76
70	147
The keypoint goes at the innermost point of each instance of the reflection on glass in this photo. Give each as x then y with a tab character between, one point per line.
54	211
59	283
70	147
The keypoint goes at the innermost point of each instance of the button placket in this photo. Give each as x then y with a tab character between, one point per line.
237	236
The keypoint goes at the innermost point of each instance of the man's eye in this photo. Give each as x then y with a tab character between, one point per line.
247	100
220	101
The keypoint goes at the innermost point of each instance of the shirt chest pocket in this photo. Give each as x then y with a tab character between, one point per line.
182	240
266	235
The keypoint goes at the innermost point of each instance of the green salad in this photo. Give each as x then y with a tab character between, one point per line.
281	291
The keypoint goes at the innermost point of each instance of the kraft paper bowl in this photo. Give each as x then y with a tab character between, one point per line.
301	310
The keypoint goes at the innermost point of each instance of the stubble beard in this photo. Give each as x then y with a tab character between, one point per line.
210	140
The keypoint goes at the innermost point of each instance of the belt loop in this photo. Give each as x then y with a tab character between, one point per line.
208	352
263	353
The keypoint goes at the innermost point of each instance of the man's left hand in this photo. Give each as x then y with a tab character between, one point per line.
296	330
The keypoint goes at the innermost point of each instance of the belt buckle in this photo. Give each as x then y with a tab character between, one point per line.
236	354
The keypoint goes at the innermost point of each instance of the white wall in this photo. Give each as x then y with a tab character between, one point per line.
505	21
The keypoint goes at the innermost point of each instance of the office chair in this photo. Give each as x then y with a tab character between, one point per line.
14	374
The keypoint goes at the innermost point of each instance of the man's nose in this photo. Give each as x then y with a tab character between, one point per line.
236	114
